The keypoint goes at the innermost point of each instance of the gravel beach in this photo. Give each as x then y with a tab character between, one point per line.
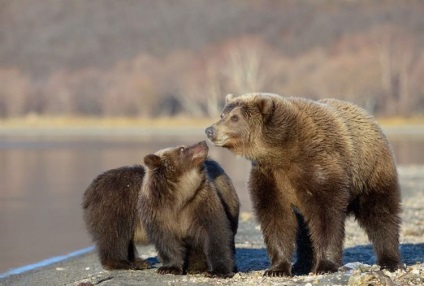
359	260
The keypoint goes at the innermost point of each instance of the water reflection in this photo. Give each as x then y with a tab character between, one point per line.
43	180
408	151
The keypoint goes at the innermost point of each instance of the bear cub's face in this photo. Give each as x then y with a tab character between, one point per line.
173	162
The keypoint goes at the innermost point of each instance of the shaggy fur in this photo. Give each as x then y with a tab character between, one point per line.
110	214
190	210
320	161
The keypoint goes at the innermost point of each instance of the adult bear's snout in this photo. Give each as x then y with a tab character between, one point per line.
210	132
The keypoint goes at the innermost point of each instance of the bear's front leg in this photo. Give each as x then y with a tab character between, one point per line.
278	222
172	254
196	260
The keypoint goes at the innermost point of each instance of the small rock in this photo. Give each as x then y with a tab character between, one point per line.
373	278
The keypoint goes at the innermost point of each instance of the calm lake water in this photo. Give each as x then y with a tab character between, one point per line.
43	179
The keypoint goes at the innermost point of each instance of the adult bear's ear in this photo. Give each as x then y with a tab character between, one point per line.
228	98
265	105
152	161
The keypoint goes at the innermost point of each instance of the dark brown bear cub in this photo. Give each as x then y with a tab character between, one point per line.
110	214
190	210
324	159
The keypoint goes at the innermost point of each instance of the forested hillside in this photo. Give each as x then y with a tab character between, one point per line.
167	57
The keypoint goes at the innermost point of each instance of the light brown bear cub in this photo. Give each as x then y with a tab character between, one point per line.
190	210
323	159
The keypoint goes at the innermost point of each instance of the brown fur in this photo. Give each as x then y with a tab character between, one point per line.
324	159
190	211
110	214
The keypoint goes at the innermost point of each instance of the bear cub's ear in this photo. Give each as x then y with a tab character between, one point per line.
152	161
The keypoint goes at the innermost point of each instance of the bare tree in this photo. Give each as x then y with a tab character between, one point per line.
398	55
244	70
14	93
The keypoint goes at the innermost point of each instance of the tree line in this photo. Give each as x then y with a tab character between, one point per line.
155	58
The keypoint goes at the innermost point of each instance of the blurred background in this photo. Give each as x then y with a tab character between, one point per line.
164	58
164	63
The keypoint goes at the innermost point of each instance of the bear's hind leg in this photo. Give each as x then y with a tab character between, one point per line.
304	251
233	252
113	255
218	251
327	237
327	230
139	264
112	264
378	215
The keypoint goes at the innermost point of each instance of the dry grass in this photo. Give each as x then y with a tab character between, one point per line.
63	121
162	122
399	121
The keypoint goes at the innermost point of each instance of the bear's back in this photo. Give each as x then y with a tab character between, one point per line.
227	193
371	155
110	200
110	184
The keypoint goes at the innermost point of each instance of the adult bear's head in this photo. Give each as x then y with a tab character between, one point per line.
247	122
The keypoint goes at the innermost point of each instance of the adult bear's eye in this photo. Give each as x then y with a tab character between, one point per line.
234	118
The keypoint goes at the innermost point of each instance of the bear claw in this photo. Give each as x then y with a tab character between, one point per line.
169	270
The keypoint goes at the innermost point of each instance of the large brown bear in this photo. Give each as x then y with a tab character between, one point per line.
190	211
111	217
323	159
